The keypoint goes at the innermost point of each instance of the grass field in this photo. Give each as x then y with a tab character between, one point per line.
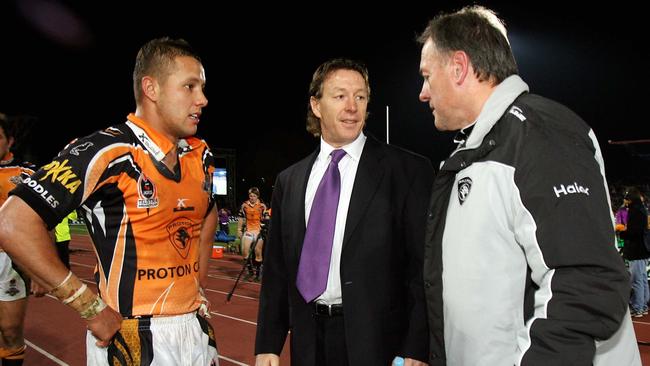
78	229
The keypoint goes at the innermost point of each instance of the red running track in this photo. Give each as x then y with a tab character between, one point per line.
55	334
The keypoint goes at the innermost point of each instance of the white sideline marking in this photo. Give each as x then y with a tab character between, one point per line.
231	360
233	279
233	318
45	353
226	293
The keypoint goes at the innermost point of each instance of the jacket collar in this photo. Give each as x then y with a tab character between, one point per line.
501	98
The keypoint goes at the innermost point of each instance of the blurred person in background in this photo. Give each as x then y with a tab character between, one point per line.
14	284
636	252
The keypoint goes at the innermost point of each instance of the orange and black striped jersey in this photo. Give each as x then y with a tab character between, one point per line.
253	215
144	219
12	173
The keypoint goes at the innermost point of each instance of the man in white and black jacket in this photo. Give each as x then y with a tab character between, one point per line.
520	259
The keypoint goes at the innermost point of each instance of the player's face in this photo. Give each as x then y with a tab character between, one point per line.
252	198
182	97
5	143
342	108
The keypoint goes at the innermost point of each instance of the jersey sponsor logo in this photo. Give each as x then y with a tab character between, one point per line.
570	189
182	206
147	192
62	173
150	145
167	272
180	235
146	141
79	148
36	187
464	186
517	112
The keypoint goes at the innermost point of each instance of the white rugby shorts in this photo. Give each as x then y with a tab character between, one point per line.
186	340
12	285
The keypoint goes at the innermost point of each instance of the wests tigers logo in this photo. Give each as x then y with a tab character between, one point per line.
180	235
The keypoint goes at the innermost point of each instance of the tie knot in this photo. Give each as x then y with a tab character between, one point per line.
337	155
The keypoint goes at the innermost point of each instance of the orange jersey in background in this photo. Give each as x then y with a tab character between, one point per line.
12	173
253	215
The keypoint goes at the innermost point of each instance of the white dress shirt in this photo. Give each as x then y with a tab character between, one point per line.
348	170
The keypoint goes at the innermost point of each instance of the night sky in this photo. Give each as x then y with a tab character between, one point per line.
69	66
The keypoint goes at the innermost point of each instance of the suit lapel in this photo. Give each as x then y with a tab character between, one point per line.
366	182
300	180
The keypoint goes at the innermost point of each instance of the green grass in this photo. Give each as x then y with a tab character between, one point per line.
78	229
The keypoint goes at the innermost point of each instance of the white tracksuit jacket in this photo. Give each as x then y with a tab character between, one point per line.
520	259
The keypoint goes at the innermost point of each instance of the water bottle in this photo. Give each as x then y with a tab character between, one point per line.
398	361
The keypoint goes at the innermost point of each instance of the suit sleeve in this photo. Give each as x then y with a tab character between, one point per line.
562	220
416	343
273	316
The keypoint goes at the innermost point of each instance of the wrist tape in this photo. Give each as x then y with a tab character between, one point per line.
78	296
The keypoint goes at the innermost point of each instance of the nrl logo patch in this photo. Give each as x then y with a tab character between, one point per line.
147	192
180	235
464	186
16	180
12	290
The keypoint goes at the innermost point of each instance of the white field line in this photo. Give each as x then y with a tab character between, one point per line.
45	353
231	360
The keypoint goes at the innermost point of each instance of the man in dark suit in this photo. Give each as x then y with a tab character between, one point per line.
372	308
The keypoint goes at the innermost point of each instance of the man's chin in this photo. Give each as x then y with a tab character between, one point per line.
190	132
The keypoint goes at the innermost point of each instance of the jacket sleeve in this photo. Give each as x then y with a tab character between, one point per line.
562	220
416	343
273	316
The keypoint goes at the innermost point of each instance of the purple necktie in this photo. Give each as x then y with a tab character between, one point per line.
317	248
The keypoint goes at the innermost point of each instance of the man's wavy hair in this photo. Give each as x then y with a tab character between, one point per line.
478	32
318	79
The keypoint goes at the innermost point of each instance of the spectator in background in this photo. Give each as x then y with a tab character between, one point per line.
14	284
62	237
620	218
636	253
224	220
621	215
